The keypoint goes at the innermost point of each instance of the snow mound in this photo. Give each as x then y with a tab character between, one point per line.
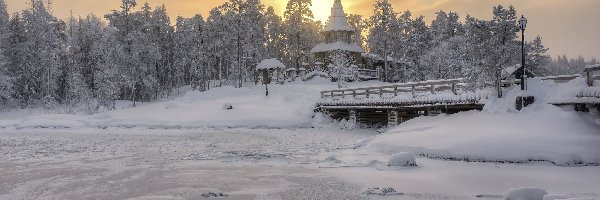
402	159
540	133
526	194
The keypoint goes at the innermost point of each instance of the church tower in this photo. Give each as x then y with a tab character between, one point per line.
338	36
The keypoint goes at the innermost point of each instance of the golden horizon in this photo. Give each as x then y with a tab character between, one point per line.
568	27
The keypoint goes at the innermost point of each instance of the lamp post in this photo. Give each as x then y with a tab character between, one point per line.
523	25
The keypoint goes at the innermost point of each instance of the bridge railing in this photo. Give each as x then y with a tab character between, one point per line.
425	86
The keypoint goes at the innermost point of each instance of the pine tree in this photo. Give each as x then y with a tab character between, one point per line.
360	25
299	30
43	46
384	33
217	47
537	57
418	43
478	34
275	42
503	40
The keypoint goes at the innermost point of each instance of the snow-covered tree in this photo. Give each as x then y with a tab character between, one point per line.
300	31
40	39
417	44
191	67
6	87
360	25
447	60
384	36
275	37
537	57
340	65
504	33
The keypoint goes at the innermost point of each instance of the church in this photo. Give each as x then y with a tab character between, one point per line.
338	37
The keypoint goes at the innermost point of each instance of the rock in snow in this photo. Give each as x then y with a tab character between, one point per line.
526	194
211	194
381	192
402	159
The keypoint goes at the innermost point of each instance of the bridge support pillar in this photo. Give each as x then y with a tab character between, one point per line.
352	116
392	118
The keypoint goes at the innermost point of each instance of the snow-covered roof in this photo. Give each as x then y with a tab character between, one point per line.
270	64
339	45
338	21
509	71
590	68
379	58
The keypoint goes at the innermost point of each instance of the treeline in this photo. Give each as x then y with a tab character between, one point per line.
134	53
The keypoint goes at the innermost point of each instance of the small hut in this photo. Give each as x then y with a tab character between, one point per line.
271	69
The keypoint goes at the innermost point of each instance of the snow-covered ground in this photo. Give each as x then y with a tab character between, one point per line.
273	147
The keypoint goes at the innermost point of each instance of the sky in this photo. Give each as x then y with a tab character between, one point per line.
569	27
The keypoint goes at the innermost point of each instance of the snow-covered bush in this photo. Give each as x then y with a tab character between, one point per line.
402	159
526	194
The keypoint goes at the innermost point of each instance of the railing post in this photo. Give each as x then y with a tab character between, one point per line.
414	90
396	91
343	94
380	92
322	95
367	92
332	94
454	88
354	93
432	89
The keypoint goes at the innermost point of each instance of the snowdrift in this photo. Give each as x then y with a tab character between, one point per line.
542	132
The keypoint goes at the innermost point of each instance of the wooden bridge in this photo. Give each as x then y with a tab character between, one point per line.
393	104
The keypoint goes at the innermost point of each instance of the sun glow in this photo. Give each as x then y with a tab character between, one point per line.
322	9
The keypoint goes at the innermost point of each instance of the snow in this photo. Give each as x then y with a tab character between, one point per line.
526	194
338	20
402	159
338	45
509	71
592	67
267	148
270	64
499	133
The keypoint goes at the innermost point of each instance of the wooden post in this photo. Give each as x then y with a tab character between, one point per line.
454	88
354	93
392	118
396	91
343	94
432	89
367	92
590	82
332	94
352	116
322	95
380	92
414	90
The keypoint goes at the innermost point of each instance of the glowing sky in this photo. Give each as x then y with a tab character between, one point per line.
569	27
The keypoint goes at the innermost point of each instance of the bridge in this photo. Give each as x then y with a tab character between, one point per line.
390	105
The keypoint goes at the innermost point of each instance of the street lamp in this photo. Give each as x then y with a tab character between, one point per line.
523	25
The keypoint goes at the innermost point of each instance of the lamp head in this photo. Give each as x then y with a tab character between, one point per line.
523	23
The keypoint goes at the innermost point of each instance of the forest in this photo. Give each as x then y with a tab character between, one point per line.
135	53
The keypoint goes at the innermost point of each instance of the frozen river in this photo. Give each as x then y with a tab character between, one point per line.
170	164
248	164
